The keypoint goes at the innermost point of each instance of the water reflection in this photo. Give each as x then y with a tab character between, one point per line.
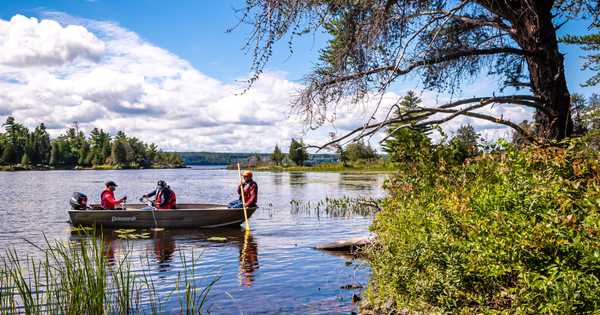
248	260
297	179
109	250
277	179
161	247
164	247
363	182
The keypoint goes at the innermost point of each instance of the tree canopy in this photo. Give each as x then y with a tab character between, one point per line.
359	151
20	145
406	144
442	42
297	152
277	155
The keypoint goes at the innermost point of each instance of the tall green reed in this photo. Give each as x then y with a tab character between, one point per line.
344	207
76	277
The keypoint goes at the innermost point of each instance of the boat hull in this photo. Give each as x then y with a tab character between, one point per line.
186	216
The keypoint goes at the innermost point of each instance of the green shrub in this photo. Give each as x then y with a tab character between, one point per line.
516	231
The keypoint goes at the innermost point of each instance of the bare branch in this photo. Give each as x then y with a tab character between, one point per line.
445	58
497	24
476	115
410	116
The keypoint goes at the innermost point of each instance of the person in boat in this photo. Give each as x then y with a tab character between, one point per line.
250	189
107	197
164	196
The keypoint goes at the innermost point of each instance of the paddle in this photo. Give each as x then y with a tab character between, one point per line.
243	198
149	203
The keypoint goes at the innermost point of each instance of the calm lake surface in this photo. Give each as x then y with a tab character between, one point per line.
275	270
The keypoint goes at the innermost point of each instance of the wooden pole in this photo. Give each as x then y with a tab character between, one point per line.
243	198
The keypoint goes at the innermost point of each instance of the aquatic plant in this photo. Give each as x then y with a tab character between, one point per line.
374	166
131	234
336	207
76	277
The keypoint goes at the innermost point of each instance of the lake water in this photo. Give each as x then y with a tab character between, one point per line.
275	270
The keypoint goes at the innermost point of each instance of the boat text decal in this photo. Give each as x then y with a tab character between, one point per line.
123	219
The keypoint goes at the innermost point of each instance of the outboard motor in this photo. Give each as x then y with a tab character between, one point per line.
78	201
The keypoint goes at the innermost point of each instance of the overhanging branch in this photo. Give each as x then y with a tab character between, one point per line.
426	62
476	115
408	117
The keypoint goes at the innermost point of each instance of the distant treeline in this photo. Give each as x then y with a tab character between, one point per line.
218	158
34	149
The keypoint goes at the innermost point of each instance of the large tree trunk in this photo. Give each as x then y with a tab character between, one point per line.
535	33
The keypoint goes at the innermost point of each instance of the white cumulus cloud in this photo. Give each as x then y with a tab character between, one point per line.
28	42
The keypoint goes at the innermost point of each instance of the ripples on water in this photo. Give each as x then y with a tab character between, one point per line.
273	270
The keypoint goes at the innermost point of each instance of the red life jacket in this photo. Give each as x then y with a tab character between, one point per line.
170	204
107	199
250	193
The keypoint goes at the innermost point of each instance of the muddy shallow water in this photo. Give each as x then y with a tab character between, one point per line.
273	270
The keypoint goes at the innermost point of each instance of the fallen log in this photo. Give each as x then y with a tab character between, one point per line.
348	245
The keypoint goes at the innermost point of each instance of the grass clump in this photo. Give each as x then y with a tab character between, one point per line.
344	207
76	277
516	231
361	166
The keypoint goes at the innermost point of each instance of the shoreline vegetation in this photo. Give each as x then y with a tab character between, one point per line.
355	157
378	166
515	230
104	167
22	149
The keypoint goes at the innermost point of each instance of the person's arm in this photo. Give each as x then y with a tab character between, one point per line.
252	195
150	194
111	201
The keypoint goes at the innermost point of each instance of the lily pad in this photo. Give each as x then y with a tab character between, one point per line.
217	239
125	231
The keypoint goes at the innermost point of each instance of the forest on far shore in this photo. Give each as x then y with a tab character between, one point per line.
225	158
21	148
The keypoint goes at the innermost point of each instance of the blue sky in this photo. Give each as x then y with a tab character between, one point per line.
195	30
168	72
